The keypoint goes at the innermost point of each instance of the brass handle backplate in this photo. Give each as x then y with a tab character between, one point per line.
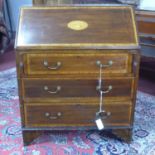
55	67
98	63
48	115
58	88
98	88
103	114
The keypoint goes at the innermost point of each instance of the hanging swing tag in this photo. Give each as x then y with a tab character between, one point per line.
99	123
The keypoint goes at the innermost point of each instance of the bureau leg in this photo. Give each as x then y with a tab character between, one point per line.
29	136
125	134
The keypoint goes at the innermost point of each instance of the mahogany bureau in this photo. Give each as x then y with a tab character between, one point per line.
59	54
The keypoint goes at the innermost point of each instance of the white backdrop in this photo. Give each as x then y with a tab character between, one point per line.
147	5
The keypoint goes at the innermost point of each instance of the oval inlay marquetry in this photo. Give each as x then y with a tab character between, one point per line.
77	25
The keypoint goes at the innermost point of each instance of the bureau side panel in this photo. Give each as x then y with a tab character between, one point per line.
19	70
135	67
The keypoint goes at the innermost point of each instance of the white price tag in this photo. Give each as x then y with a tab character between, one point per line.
99	124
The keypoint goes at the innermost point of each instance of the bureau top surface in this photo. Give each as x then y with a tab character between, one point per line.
77	27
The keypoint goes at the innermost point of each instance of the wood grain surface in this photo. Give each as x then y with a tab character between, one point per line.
76	114
34	89
103	31
77	63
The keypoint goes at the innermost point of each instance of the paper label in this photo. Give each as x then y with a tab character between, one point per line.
99	124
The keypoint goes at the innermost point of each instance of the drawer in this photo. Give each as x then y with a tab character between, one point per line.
46	89
49	64
46	115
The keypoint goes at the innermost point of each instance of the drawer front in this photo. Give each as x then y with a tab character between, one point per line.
75	114
39	64
40	90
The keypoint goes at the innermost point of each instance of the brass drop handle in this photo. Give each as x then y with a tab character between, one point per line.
59	114
103	114
98	63
98	88
55	67
58	88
